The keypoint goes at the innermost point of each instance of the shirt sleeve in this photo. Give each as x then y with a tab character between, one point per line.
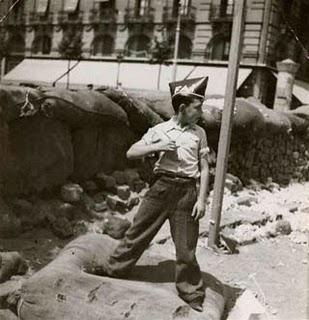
149	137
203	148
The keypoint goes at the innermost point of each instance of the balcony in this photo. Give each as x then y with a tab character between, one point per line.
98	16
170	14
140	15
36	19
221	12
67	18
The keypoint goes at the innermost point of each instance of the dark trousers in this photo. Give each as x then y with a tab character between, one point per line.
171	200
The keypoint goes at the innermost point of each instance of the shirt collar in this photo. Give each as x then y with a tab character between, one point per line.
172	124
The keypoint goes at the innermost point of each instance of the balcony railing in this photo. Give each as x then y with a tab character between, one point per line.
221	12
37	19
170	14
140	15
70	18
98	16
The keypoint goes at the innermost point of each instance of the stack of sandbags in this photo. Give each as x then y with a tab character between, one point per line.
140	116
64	290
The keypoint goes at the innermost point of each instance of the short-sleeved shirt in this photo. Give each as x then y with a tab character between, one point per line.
191	143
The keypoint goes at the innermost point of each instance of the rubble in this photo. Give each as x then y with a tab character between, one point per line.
115	227
71	192
106	182
123	192
246	201
283	227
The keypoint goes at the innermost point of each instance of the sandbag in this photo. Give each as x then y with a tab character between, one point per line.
99	149
302	112
247	117
140	116
12	101
275	121
64	290
298	123
11	263
82	107
40	155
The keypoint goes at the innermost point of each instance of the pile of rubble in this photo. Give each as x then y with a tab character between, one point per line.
96	205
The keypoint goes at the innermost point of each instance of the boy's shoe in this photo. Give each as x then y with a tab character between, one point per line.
197	304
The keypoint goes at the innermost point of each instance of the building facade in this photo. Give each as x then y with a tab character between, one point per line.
129	29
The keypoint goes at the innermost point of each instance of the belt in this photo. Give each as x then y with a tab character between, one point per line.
174	177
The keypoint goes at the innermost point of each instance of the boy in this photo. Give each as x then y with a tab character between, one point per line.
182	148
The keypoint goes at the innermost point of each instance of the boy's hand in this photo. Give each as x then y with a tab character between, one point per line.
165	145
198	211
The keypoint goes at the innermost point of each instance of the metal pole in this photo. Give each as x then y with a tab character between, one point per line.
226	124
118	74
177	36
68	75
3	62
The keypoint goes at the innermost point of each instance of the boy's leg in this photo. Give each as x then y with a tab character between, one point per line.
185	232
147	222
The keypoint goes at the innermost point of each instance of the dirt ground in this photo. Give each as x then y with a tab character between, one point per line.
274	268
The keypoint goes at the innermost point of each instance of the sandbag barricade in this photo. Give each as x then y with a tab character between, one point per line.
64	289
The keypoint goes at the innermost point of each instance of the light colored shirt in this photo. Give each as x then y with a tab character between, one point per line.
191	143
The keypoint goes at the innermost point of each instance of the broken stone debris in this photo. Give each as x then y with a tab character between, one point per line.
71	192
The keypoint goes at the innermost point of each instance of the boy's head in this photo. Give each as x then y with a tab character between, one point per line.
187	98
189	106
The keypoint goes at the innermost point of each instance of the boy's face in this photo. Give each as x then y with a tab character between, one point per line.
192	112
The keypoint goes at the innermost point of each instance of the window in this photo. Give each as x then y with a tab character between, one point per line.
103	45
184	49
182	5
42	7
41	44
16	44
218	48
226	7
138	46
141	7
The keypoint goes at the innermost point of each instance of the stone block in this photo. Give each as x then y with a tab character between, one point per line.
115	227
246	201
116	204
106	182
90	187
71	192
123	192
120	177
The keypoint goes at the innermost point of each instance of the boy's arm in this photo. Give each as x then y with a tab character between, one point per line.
200	206
140	149
150	143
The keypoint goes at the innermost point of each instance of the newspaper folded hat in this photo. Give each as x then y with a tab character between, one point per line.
194	87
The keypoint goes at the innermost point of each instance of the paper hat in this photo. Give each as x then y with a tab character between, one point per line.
194	87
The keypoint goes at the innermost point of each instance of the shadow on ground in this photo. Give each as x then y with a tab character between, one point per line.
164	272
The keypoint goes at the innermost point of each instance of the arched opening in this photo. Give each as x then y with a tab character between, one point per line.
184	49
138	46
16	44
41	44
103	45
218	48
